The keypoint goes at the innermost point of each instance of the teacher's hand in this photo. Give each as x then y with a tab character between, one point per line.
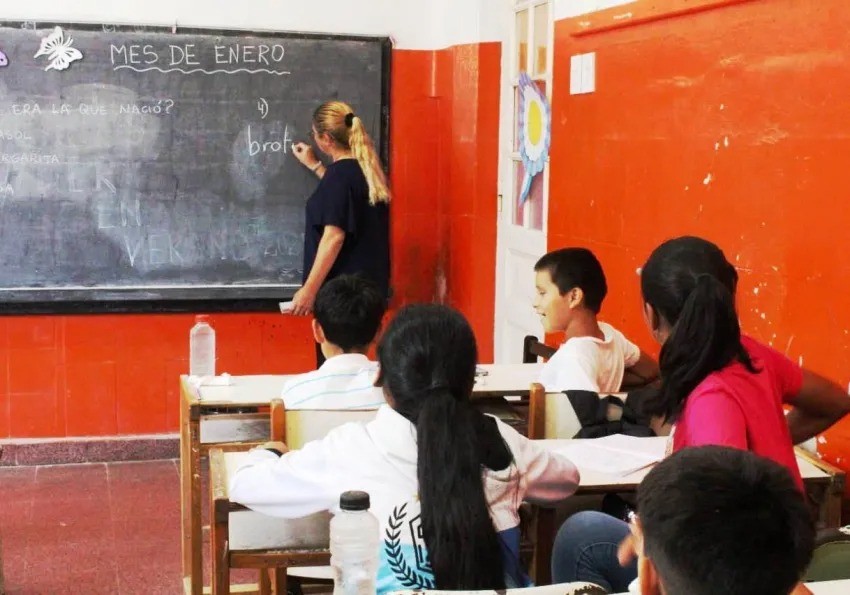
302	301
304	153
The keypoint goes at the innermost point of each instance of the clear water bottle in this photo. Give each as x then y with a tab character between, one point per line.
202	348
355	536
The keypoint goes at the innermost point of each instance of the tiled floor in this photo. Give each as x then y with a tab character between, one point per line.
91	529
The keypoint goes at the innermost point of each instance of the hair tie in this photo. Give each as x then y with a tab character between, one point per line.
349	119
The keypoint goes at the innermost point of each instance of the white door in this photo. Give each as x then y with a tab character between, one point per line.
522	224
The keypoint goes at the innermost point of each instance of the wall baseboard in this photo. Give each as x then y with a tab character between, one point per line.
65	451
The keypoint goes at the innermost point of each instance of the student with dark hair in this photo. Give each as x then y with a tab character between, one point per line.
445	480
715	519
717	387
347	315
570	286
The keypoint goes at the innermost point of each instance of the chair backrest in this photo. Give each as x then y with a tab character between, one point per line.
551	415
532	349
297	427
831	559
576	588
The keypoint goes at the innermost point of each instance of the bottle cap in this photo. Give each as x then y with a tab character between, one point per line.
202	318
354	501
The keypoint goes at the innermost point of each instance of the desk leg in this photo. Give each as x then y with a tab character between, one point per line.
544	538
190	498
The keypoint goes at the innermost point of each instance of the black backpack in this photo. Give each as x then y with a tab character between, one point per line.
592	412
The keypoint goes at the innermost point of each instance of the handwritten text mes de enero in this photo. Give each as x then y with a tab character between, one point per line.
188	54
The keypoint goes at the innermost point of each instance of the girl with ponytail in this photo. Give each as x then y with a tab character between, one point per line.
445	480
717	386
347	216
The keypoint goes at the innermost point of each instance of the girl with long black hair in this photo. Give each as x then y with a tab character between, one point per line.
718	386
445	480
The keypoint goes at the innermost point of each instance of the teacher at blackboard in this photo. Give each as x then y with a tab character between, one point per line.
347	222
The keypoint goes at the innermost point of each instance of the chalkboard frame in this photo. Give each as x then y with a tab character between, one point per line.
98	300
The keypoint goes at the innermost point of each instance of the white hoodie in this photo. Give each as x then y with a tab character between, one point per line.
380	458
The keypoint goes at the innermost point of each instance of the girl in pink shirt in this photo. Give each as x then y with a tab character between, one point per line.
717	387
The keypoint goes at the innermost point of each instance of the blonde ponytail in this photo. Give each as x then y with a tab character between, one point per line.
339	121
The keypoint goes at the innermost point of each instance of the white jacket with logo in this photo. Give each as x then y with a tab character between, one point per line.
380	458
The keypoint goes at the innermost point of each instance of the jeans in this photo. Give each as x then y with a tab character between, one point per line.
585	549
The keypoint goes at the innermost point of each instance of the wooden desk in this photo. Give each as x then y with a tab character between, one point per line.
824	484
195	404
258	391
818	588
815	474
830	587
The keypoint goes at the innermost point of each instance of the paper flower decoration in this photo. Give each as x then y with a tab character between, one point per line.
535	131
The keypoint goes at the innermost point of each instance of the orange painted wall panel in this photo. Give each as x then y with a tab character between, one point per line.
470	76
732	124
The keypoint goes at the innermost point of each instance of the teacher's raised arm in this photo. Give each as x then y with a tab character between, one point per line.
347	216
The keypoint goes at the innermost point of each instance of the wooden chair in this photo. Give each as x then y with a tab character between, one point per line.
577	588
533	349
550	415
263	542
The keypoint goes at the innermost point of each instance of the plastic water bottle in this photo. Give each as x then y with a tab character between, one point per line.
355	536
202	348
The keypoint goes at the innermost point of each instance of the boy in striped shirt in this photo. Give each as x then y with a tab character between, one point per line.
347	315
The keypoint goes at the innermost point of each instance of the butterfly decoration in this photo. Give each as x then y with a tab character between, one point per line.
4	61
58	50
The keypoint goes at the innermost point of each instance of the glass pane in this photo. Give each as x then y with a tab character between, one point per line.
541	37
515	143
521	42
532	207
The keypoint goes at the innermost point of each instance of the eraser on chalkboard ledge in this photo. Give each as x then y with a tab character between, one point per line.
285	307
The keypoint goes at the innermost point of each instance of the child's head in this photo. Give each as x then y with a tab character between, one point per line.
568	281
715	519
348	312
688	290
427	358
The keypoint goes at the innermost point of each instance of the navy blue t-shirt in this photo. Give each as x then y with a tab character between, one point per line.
342	200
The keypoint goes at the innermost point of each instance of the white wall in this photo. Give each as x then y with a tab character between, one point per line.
413	24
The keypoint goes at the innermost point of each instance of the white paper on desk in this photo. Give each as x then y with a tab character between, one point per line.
614	455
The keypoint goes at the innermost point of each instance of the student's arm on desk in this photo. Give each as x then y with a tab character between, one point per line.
819	404
549	477
289	486
643	372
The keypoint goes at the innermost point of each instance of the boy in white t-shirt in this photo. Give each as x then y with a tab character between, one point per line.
570	287
347	315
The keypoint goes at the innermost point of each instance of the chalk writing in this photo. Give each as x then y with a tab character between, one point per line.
188	58
157	107
14	135
34	158
256	147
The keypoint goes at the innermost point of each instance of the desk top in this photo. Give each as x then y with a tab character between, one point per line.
591	481
818	588
499	379
594	481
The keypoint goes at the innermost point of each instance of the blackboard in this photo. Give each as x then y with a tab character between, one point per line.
158	167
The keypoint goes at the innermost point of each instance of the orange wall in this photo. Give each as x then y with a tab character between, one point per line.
469	129
732	124
117	374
